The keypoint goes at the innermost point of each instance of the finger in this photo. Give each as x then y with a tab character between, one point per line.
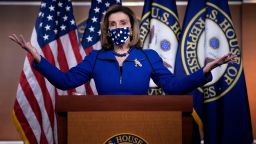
227	57
18	40
11	36
14	38
22	39
231	58
222	59
229	54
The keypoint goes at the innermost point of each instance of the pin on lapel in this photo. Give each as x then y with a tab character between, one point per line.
137	63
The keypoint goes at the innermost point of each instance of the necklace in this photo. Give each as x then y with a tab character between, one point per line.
122	54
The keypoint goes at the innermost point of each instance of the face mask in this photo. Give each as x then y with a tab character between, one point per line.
119	36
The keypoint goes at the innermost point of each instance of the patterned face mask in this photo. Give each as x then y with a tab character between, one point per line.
119	36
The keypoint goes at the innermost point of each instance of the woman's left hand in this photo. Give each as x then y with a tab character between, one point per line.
218	62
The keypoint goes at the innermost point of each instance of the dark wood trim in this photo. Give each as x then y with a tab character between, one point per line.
123	103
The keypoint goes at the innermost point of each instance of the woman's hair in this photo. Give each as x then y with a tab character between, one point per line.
134	38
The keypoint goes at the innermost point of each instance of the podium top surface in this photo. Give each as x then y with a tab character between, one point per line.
182	103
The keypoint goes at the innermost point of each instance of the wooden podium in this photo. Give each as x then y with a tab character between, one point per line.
94	119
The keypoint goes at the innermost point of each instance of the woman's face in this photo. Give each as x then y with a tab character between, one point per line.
118	20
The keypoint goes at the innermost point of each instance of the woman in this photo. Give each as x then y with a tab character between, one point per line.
121	67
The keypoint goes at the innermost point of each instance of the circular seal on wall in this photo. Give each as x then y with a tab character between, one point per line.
160	30
210	35
125	138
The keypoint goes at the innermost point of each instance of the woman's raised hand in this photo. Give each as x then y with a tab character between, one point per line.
26	45
218	62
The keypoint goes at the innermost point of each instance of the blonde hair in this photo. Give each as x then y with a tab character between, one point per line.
135	37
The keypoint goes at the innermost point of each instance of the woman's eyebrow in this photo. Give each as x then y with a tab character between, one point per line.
124	20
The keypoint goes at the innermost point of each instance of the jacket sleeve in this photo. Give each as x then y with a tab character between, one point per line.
75	77
172	84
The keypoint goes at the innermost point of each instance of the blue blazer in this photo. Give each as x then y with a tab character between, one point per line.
103	67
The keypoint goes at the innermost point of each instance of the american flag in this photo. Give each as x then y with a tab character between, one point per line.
55	38
91	36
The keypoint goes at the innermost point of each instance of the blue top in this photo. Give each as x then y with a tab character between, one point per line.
138	68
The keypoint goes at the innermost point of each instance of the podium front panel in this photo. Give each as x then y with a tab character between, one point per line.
96	127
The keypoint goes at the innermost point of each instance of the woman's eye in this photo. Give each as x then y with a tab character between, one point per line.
112	24
123	23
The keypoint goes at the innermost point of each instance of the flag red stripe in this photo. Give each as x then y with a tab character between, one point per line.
75	45
46	95
24	123
33	103
25	86
87	85
48	54
61	57
88	50
63	61
88	89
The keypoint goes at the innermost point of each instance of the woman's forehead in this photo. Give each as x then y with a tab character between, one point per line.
117	16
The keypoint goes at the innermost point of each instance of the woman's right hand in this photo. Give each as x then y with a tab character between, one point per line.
26	45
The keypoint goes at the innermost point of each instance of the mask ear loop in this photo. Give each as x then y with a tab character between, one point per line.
131	31
108	33
131	37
